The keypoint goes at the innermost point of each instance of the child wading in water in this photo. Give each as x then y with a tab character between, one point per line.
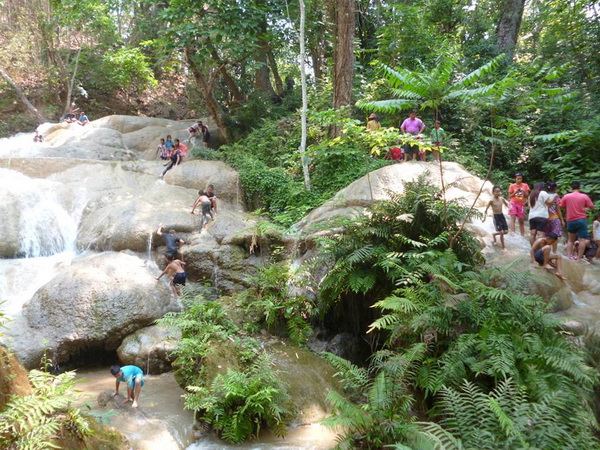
499	219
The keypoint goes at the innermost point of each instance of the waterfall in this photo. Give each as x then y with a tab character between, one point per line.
45	213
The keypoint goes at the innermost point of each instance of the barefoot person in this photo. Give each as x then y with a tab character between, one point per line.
133	377
539	202
517	194
206	206
541	253
499	219
577	226
172	242
176	273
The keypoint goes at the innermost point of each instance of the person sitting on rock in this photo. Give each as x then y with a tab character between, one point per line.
206	205
83	119
541	253
161	150
171	241
134	377
176	273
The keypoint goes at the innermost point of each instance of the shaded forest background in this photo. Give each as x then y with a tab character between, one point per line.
537	108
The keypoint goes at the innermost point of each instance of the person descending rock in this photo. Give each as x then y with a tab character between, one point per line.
576	202
541	253
172	242
499	219
205	133
517	194
133	377
212	195
175	160
206	205
176	273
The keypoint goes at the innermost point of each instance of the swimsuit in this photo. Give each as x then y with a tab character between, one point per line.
179	278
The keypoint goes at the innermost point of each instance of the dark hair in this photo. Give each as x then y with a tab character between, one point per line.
169	136
496	187
551	235
518	174
171	231
211	186
535	193
412	111
201	192
437	122
177	140
551	185
115	369
597	216
169	256
575	185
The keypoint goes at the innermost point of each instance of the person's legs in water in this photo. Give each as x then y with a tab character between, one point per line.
552	261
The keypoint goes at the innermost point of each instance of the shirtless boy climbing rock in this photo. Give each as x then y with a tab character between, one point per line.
176	273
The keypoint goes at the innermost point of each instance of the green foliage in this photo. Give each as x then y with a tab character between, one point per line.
202	324
271	302
126	68
390	246
239	403
32	422
507	418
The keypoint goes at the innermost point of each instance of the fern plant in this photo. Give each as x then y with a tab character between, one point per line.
35	421
239	403
270	302
505	418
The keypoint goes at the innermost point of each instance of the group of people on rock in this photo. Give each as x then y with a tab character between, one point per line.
414	127
71	117
171	151
546	221
207	201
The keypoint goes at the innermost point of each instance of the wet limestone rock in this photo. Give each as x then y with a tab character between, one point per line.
150	348
376	185
93	304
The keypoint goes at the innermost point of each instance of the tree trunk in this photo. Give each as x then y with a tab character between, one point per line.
509	24
275	70
343	18
206	85
235	92
32	109
316	55
302	59
262	78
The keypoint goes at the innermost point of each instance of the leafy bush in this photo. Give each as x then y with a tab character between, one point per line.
271	302
35	421
239	403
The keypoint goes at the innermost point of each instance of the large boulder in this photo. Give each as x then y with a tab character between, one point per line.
94	304
460	185
150	348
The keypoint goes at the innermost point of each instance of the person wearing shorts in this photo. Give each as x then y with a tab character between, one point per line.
539	202
541	254
176	273
517	194
133	376
414	126
577	227
500	224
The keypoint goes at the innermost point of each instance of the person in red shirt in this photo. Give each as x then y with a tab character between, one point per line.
575	203
517	193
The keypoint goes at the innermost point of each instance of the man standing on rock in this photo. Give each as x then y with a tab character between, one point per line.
176	273
171	241
576	202
134	377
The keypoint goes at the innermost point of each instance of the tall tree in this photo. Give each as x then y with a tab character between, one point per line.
342	15
509	25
